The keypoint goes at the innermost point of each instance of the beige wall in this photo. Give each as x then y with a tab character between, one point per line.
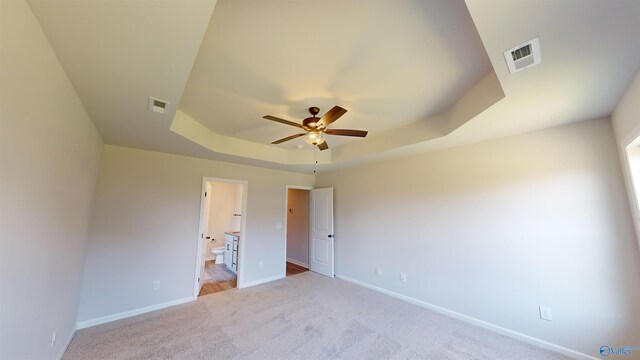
492	230
298	226
145	227
50	152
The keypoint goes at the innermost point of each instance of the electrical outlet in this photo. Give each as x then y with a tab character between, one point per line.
545	313
403	278
378	271
156	285
53	339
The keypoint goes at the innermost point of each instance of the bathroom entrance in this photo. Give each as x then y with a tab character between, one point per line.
220	238
297	238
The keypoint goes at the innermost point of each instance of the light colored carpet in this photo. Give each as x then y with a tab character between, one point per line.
306	316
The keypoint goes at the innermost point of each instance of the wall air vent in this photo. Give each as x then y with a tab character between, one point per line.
157	105
523	56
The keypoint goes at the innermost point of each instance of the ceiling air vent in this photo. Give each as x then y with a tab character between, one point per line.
157	105
523	56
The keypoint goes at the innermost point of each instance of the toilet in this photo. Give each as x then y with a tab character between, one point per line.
219	253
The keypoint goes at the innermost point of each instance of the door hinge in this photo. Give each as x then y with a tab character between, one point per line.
205	194
198	279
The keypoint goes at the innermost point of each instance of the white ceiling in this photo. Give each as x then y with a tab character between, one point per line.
590	55
388	63
118	53
397	66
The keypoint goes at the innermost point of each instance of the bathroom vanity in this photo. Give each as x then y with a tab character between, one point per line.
231	243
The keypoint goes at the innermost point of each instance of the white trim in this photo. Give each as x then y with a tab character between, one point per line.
299	263
209	258
66	345
261	281
130	313
481	323
299	187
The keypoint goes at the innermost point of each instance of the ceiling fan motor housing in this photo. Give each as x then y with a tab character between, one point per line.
311	122
316	127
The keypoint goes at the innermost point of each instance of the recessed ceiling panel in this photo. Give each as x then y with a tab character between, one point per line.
389	63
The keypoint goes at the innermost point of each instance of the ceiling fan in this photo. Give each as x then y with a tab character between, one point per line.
316	127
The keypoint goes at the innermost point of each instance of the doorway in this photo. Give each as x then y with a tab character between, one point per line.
314	246
220	241
297	230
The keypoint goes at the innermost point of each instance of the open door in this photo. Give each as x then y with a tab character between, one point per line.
321	246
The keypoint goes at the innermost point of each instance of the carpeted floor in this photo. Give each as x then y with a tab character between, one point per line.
306	316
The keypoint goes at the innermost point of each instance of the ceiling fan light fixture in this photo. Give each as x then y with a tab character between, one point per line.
316	127
314	138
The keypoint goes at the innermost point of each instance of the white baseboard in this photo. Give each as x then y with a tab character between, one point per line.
481	323
299	263
210	258
66	345
130	313
261	281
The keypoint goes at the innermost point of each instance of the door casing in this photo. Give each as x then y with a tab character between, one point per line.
199	261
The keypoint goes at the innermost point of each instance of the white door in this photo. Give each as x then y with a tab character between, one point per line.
321	246
206	229
202	242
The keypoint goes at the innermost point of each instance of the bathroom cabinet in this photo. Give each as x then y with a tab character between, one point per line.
231	246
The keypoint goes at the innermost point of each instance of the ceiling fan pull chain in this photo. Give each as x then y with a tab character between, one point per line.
315	159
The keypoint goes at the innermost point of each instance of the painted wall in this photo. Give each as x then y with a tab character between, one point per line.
298	226
145	227
224	202
494	229
50	153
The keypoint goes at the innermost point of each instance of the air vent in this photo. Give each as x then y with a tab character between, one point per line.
157	105
523	56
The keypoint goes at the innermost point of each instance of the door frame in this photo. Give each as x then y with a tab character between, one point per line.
243	233
286	218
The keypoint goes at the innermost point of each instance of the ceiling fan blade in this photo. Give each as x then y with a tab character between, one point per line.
323	146
288	138
282	121
346	132
331	116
